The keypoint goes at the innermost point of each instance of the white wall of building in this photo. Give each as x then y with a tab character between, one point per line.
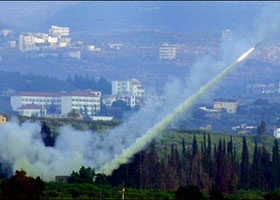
276	133
130	91
231	107
16	102
63	101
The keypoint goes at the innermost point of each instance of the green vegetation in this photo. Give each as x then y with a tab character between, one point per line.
218	164
30	82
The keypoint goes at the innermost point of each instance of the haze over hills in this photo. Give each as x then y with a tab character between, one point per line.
22	15
164	16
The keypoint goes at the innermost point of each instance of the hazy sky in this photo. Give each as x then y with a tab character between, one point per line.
172	14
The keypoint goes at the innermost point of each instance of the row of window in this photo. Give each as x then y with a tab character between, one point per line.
81	105
42	100
86	100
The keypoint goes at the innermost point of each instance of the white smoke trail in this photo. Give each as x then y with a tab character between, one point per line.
126	154
22	148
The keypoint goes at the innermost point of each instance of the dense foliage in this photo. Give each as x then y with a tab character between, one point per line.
30	82
208	168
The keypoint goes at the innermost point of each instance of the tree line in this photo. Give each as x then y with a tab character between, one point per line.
30	82
208	168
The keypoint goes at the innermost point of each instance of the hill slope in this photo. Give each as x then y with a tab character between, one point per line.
165	16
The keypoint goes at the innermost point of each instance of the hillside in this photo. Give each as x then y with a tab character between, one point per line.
164	16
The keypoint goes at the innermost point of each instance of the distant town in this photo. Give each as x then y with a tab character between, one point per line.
58	53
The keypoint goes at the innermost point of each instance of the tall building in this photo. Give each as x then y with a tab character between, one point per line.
27	42
83	101
226	34
168	51
125	88
131	91
58	31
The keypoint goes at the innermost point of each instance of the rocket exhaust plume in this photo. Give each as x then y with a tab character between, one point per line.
127	153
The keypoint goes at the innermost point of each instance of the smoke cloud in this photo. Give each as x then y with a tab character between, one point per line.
21	146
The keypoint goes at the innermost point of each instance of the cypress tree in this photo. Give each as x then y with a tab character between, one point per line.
244	166
183	147
47	137
204	142
194	146
255	170
275	164
266	170
229	147
209	164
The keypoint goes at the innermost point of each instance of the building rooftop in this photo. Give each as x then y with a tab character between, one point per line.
40	94
225	100
84	93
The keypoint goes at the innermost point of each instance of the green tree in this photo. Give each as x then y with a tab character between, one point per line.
275	164
256	176
47	136
75	114
85	175
194	146
21	187
260	131
101	179
244	166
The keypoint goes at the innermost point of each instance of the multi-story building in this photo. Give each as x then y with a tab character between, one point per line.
229	105
168	51
58	31
27	42
130	87
83	101
32	41
57	38
38	98
130	91
226	34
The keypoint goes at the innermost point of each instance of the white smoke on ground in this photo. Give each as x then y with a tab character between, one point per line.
21	146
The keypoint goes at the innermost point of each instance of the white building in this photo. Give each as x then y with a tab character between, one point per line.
130	91
102	118
38	98
58	31
27	42
276	133
108	100
32	110
64	102
31	40
130	87
243	128
89	101
168	51
226	34
229	105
